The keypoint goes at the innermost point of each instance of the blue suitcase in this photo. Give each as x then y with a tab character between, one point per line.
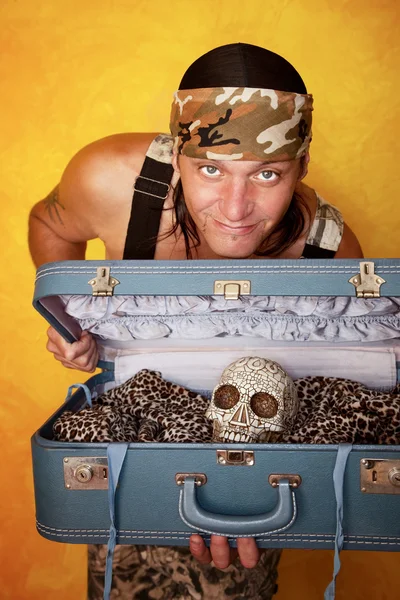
284	495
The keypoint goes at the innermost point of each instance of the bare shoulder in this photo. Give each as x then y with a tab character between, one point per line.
349	246
104	164
95	191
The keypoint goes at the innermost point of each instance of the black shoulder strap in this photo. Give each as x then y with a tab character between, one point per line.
150	192
310	251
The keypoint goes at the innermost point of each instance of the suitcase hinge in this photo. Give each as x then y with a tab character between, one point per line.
103	284
231	290
367	284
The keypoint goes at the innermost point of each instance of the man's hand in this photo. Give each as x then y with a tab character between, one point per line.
81	355
222	554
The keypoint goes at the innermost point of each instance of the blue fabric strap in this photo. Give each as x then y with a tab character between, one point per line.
83	387
115	455
338	477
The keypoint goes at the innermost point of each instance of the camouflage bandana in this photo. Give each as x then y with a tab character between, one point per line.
241	123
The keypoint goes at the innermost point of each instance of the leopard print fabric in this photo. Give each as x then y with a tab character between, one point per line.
144	409
334	411
149	409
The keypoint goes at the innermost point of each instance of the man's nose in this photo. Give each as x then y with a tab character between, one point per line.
236	203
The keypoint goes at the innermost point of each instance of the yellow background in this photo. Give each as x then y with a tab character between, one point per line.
75	71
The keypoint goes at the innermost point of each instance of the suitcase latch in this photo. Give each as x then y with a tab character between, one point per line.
380	476
103	284
231	289
235	457
367	284
85	472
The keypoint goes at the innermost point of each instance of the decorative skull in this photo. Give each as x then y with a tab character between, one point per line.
254	401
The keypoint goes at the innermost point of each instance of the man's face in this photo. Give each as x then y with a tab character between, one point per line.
236	204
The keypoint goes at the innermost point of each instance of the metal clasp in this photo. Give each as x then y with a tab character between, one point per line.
199	478
294	480
235	457
380	476
232	289
367	284
153	181
85	472
103	284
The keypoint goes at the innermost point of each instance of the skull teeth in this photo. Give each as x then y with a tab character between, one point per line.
231	436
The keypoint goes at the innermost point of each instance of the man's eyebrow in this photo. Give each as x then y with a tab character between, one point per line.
268	163
265	163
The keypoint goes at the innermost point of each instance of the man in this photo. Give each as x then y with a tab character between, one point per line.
226	184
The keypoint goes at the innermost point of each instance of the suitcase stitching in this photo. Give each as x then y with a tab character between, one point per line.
304	536
381	272
192	267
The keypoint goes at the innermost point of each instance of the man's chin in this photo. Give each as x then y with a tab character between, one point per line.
232	251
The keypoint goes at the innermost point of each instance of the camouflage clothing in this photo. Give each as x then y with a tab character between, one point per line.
327	228
241	123
168	573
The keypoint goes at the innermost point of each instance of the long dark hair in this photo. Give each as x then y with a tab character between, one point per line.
243	65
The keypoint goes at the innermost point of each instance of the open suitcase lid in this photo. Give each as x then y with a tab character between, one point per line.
311	277
343	300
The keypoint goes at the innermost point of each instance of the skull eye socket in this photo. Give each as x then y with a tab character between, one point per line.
264	405
226	396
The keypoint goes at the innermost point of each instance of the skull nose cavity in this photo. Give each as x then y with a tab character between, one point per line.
241	416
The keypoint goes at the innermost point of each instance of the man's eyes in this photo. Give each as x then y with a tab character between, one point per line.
209	170
267	176
213	171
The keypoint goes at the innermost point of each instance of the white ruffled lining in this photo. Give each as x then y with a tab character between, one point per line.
285	318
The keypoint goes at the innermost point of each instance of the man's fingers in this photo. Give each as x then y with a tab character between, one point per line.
220	551
249	554
77	349
89	359
222	554
87	362
55	337
81	354
57	345
199	550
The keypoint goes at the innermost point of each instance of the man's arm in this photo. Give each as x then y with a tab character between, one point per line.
62	223
349	246
46	239
93	200
55	235
73	213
